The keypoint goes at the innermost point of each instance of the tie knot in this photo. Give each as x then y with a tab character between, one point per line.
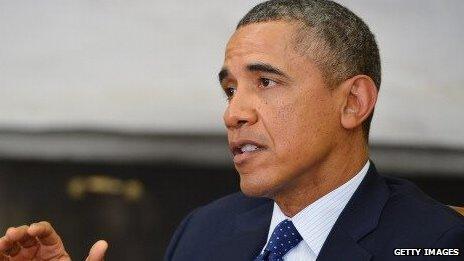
284	237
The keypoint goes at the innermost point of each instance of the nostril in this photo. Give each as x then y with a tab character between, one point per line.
241	122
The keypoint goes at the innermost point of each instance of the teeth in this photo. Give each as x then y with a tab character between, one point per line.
249	148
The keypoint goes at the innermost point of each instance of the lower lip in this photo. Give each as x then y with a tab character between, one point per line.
244	157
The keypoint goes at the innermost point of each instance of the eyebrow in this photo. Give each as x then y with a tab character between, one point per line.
265	67
254	67
223	74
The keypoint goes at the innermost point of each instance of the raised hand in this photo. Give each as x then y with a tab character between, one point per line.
39	241
97	252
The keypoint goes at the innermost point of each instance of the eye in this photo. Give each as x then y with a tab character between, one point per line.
266	83
230	91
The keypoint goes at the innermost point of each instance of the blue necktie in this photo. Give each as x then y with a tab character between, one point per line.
284	238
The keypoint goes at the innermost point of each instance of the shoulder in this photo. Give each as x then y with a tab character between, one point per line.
222	212
409	210
408	199
214	220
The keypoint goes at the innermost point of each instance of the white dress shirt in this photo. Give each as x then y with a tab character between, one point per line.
316	220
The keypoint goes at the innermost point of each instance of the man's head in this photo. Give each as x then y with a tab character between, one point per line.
302	79
334	38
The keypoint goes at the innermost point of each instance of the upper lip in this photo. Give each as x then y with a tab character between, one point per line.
236	145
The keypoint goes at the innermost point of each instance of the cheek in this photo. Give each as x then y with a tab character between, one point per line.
299	128
285	130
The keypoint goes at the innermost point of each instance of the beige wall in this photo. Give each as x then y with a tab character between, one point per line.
151	66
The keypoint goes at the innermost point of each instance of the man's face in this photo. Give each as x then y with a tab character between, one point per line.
282	119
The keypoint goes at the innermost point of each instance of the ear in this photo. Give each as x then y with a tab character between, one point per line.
359	96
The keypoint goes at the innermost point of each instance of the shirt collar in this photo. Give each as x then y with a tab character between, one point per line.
316	220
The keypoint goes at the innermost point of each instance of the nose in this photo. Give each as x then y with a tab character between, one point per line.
240	111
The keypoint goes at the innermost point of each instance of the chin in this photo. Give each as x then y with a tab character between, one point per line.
256	187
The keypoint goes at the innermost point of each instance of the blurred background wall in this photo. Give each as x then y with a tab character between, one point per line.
111	114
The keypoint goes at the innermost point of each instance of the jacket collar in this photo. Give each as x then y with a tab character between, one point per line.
360	216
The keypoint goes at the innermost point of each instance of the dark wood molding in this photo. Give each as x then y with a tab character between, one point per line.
195	149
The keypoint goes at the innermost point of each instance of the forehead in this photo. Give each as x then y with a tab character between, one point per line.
265	42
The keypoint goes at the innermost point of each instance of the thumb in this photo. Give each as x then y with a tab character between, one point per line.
98	250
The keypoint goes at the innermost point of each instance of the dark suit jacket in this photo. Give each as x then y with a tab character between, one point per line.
384	213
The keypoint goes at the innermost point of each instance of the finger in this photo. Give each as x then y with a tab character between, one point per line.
13	250
29	242
51	246
29	248
16	234
9	243
5	243
23	246
44	233
98	250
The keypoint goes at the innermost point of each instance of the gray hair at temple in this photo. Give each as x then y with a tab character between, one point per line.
333	37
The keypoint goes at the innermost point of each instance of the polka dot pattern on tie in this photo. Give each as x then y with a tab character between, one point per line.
284	237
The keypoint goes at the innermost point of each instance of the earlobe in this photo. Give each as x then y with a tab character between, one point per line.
360	99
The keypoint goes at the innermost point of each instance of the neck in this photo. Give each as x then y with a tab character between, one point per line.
338	168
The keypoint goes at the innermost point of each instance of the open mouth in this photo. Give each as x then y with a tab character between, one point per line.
246	148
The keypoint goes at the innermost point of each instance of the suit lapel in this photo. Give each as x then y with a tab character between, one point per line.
341	246
359	217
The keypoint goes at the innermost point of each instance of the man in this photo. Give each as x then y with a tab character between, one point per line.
302	79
